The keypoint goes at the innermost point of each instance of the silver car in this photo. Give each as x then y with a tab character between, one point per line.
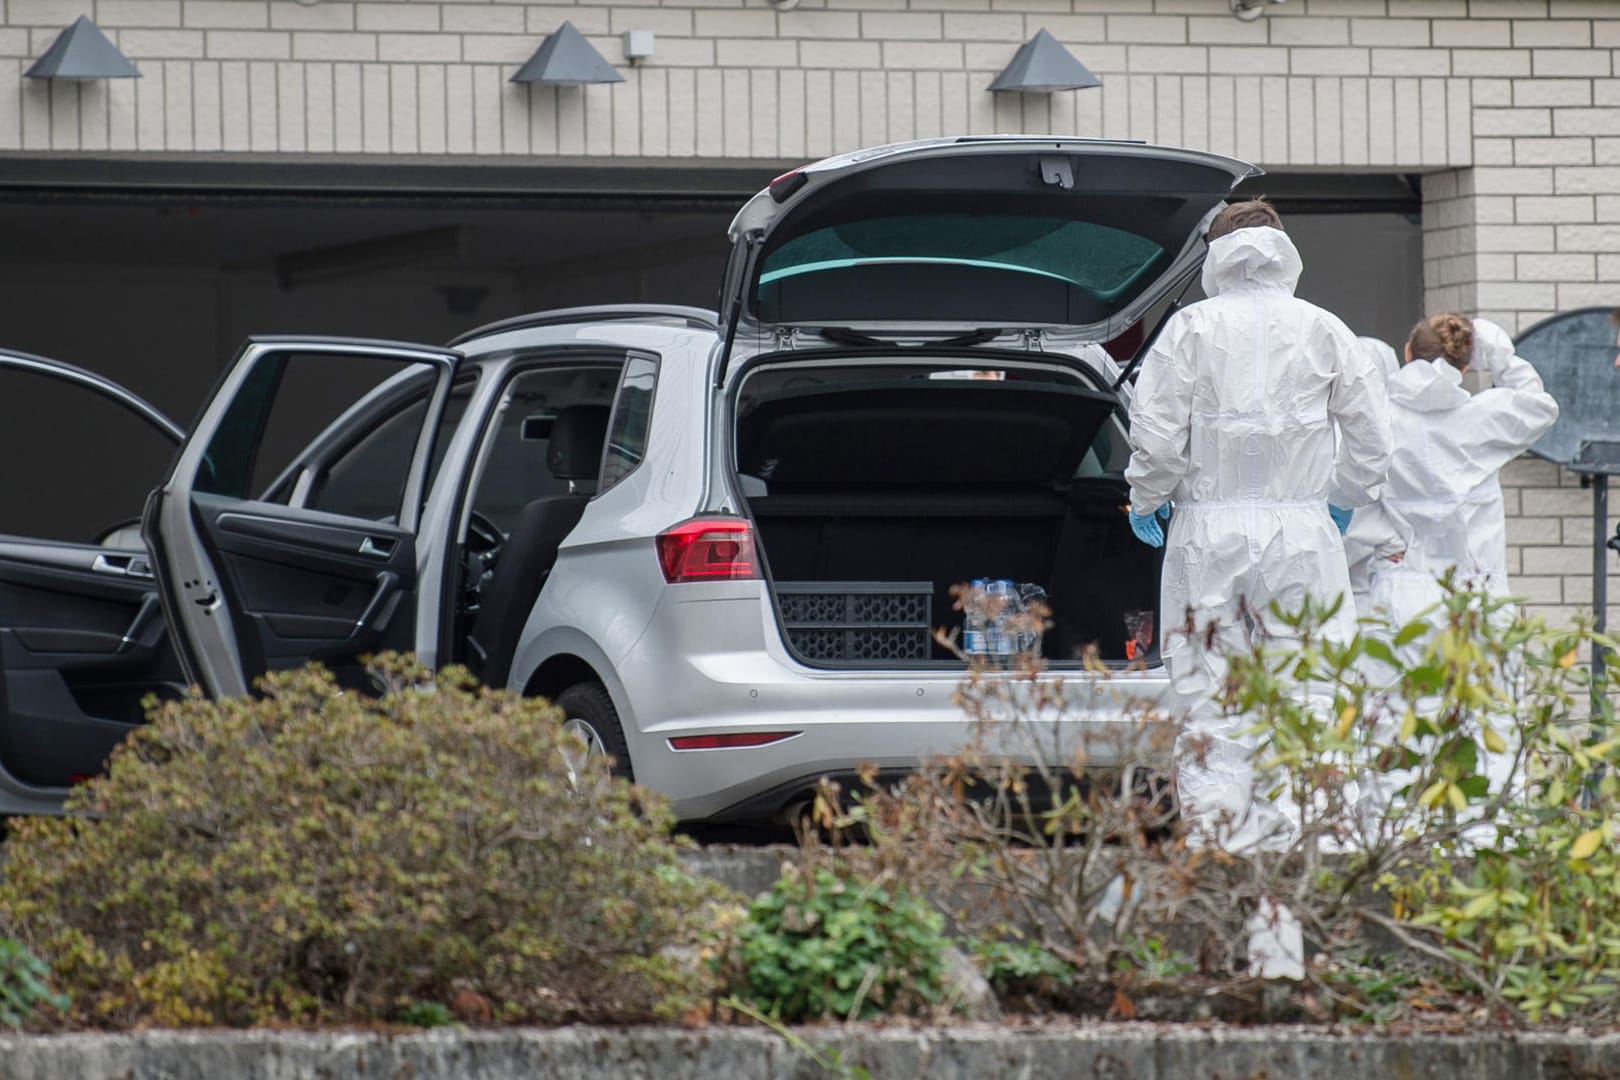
720	544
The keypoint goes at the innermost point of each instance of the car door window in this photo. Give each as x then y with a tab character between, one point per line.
295	583
103	459
288	401
352	481
515	469
632	419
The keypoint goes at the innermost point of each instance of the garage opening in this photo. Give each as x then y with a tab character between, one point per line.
153	272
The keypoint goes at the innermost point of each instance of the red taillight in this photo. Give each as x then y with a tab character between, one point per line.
708	549
729	741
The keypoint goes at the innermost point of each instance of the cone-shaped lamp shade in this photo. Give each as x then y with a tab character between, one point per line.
82	51
1042	65
565	58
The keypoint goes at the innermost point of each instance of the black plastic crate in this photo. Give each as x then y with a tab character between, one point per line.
868	622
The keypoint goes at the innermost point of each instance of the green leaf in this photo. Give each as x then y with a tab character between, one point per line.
1586	845
1411	632
1380	650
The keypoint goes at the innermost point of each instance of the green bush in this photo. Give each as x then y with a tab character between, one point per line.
1495	849
825	944
426	1014
1454	784
24	984
1008	963
320	855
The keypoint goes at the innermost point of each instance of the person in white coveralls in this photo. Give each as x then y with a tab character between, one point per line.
1261	418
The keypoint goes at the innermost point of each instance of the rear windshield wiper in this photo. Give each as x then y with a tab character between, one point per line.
843	335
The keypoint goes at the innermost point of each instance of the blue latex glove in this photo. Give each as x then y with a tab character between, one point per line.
1341	518
1147	527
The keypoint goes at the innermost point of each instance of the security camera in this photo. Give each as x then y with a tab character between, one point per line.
1250	10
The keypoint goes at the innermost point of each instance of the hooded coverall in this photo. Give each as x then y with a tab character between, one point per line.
1253	411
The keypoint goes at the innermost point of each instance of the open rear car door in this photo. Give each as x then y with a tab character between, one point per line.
264	563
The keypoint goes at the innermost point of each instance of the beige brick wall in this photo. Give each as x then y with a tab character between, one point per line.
1549	531
1359	83
1510	107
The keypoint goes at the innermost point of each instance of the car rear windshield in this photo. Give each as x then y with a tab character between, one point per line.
1102	260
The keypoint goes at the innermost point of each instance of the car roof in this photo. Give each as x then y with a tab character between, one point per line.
668	330
671	315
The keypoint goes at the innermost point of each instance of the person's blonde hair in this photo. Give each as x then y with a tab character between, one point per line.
1448	335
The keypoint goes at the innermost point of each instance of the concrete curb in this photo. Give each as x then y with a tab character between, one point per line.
1100	1052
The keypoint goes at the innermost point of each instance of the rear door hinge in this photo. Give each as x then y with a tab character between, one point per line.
1034	340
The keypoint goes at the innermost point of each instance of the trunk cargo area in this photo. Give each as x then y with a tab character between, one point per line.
877	486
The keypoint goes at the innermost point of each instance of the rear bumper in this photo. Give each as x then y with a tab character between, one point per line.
723	668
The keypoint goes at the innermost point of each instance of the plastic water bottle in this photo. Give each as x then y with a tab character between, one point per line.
1003	598
973	628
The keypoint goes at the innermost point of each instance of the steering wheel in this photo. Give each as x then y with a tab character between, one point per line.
483	535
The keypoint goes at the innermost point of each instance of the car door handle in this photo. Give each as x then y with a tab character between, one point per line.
135	566
387	582
378	549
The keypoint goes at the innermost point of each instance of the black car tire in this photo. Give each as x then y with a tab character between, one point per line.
589	703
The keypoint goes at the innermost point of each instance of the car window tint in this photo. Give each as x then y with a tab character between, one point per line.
632	417
104	459
1109	453
286	403
359	481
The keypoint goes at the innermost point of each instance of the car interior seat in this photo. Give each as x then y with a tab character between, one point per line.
573	453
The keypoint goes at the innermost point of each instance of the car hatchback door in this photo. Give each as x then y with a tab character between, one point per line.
264	563
964	241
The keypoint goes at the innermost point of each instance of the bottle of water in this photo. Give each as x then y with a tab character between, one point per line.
1003	600
974	625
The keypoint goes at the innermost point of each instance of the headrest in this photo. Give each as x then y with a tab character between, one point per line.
577	437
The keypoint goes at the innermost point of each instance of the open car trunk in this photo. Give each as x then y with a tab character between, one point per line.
871	495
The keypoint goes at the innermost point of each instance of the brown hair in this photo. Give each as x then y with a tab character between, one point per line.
1244	215
1447	334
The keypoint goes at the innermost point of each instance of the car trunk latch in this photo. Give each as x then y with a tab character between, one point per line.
1057	171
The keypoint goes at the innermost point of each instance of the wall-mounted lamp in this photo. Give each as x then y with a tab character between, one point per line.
565	58
82	52
1250	10
1042	65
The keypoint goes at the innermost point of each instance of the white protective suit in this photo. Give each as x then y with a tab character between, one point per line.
1450	446
1375	536
1238	410
1444	493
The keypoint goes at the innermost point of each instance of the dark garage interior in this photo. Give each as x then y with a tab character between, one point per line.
153	277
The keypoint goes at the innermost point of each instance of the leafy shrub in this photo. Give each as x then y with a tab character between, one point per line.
320	855
24	984
823	944
1005	963
1457	788
1493	850
427	1014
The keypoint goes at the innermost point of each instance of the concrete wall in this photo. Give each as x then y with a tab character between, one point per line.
1107	1052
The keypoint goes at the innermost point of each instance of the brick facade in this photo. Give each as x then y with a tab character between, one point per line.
1511	109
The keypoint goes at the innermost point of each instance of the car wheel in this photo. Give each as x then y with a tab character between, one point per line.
588	712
